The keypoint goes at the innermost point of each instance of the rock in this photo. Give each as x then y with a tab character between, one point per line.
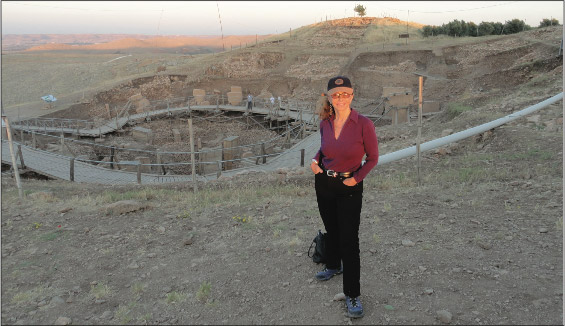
484	245
123	207
534	119
189	240
444	316
429	291
442	151
408	243
542	230
161	229
63	321
339	297
64	210
446	132
106	315
57	300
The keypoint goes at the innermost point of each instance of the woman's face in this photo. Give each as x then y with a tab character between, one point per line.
341	100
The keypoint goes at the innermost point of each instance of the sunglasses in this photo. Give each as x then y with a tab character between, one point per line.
338	95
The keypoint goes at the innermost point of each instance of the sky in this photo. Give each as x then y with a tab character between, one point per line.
247	17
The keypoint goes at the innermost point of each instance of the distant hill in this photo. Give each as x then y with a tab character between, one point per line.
177	43
54	42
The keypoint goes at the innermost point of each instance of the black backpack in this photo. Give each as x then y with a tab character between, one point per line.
319	244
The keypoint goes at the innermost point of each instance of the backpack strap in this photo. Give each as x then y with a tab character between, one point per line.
309	249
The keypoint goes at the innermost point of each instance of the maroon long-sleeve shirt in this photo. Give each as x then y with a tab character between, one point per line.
357	139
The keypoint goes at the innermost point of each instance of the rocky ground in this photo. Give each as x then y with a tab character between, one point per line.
479	242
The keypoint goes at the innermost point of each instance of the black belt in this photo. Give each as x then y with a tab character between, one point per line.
332	173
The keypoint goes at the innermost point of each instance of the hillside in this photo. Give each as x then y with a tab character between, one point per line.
476	239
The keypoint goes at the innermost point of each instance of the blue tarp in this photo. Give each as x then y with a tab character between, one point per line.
49	98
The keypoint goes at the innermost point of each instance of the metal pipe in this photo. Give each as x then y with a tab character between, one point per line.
403	153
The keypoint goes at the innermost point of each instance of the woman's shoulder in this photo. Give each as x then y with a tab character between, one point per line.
363	119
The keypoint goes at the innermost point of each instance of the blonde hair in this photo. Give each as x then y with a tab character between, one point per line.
323	107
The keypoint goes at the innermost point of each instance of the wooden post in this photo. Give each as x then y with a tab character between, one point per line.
21	155
72	170
287	134
62	141
219	173
222	158
158	159
12	155
263	153
139	172
302	157
33	140
112	153
419	140
108	110
117	124
21	136
303	128
191	131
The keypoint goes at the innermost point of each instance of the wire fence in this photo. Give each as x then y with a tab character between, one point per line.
67	157
208	160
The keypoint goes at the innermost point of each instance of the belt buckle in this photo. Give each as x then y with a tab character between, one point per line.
331	173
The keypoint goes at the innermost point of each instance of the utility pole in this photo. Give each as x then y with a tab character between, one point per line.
221	28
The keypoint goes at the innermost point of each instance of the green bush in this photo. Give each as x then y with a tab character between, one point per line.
455	109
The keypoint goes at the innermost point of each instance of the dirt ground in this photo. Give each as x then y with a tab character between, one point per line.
478	242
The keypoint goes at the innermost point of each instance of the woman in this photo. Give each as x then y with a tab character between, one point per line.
347	136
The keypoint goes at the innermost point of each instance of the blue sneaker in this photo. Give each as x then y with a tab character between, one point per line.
326	273
354	307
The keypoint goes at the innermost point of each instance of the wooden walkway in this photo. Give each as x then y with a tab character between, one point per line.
59	166
116	124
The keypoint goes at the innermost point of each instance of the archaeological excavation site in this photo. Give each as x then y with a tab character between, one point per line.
152	192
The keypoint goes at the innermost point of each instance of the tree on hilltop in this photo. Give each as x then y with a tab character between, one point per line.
360	10
549	22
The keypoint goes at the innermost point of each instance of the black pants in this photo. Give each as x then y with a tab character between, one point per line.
340	209
249	105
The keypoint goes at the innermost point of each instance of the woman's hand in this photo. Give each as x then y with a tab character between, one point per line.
315	168
350	182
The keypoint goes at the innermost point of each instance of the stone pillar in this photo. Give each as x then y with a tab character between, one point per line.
230	153
176	135
143	134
